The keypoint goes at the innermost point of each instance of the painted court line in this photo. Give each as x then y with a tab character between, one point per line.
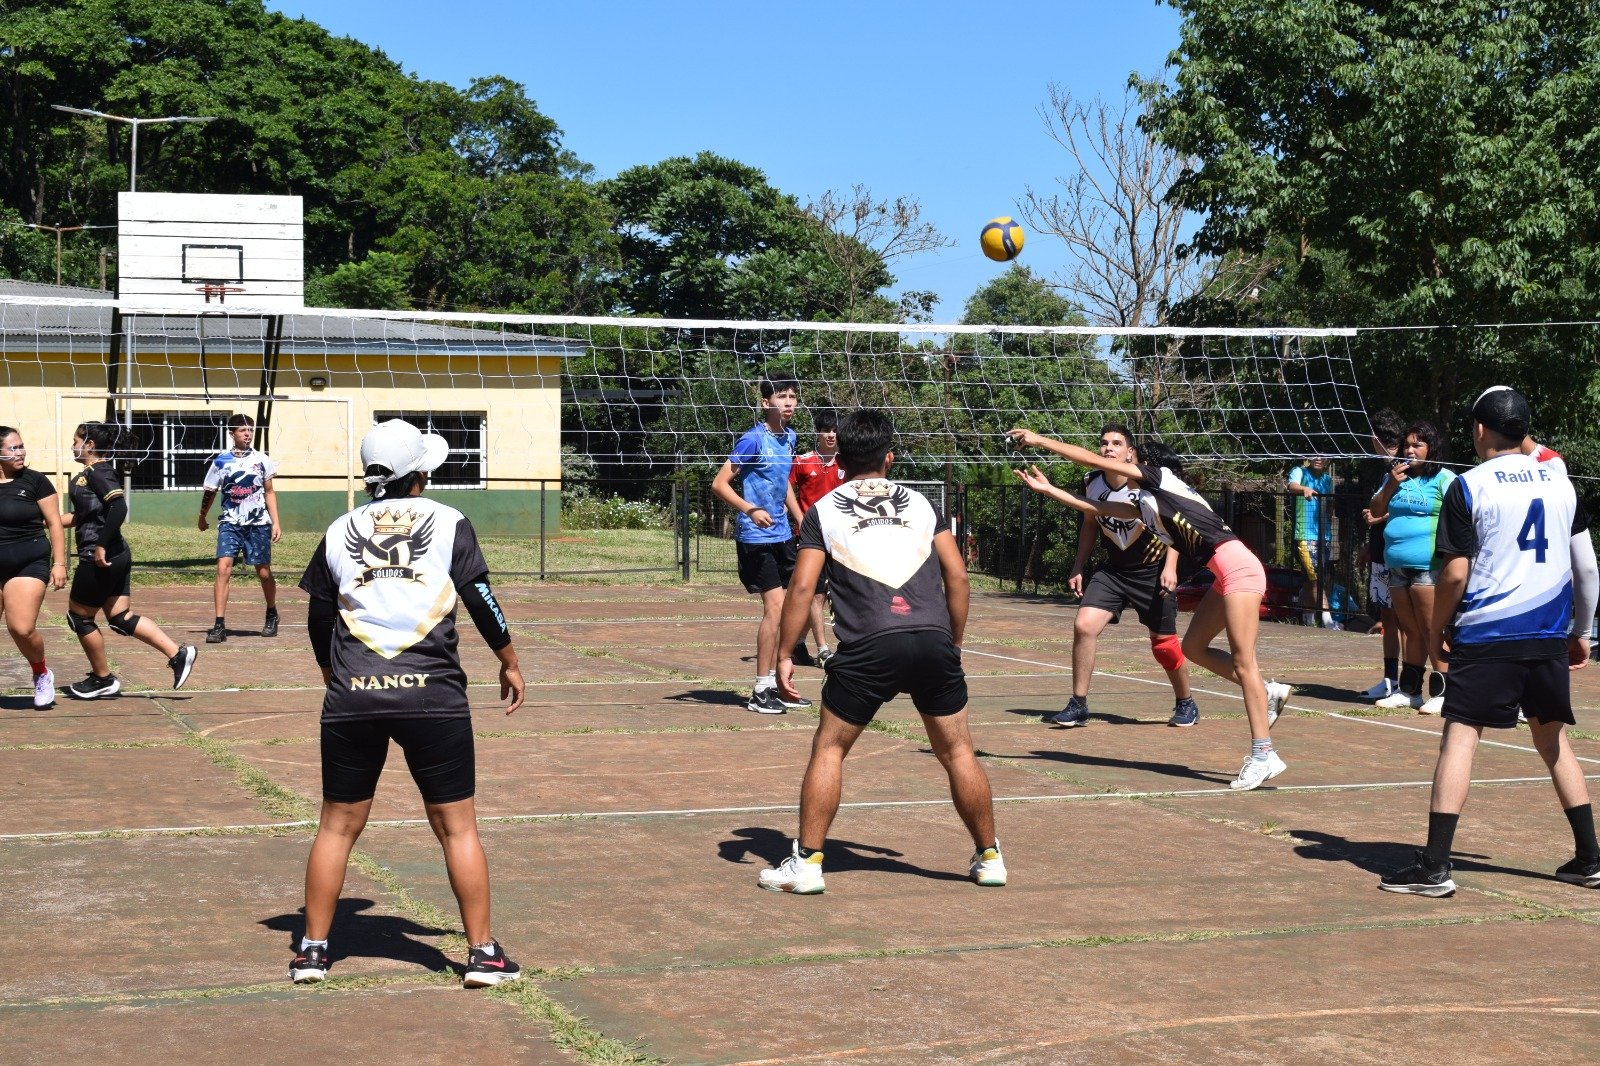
777	808
1287	707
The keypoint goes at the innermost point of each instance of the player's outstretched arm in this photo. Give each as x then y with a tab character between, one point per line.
957	586
1036	480
1027	438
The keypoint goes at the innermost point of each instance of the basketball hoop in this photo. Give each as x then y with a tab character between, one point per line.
219	290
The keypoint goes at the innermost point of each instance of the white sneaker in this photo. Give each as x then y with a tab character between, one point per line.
1401	699
988	868
1257	772
1386	687
1277	698
1433	706
44	690
803	877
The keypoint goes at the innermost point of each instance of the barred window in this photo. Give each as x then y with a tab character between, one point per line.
172	449
466	432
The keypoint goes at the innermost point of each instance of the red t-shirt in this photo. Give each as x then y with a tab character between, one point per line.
813	477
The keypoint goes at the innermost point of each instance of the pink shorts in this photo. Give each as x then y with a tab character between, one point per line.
1237	570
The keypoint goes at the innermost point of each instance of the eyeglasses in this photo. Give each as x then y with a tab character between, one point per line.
19	448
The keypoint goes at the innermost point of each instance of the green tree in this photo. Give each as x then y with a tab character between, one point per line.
1435	161
470	188
710	237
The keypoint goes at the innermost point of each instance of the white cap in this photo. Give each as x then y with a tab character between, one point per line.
393	449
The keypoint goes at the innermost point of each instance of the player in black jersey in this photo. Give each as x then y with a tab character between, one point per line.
1182	518
30	535
102	581
384	586
1140	572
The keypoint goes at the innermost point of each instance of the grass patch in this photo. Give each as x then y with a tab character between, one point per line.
183	555
570	1031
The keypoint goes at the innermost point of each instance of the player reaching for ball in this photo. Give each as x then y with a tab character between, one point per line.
384	586
1140	572
1181	518
900	597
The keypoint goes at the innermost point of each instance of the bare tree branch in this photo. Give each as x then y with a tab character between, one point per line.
863	236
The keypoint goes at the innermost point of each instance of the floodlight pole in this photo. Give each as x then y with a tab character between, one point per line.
133	151
58	231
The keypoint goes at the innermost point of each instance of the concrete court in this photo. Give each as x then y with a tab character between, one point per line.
153	849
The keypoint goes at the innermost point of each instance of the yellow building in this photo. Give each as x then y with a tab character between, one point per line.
312	381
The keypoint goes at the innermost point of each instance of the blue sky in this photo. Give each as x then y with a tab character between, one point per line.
936	100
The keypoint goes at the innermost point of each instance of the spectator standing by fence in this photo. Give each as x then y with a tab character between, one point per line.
1410	499
1386	436
1313	531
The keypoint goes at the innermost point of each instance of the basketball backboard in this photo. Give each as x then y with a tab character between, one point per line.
200	250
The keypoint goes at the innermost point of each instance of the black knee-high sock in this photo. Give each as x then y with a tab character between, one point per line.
1581	818
1411	679
1441	833
1391	669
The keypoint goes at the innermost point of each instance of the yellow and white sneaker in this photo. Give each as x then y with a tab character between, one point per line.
988	868
803	877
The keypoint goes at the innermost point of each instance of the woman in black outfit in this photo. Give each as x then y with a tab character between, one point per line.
101	582
30	537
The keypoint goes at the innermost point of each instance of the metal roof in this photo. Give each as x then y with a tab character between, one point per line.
39	317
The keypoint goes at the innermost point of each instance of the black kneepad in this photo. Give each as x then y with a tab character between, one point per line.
81	625
123	623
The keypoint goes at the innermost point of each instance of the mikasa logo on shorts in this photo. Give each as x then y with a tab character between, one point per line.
376	681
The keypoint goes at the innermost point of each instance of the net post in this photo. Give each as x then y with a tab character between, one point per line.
544	504
683	526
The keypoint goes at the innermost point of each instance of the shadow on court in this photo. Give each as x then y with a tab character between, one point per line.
1382	856
369	936
1166	769
708	697
767	847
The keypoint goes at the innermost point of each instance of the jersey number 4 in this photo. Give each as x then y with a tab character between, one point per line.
1531	536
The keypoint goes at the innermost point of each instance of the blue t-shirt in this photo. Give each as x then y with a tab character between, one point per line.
1308	513
1413	519
762	460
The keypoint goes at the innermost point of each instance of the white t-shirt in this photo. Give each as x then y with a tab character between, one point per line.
241	480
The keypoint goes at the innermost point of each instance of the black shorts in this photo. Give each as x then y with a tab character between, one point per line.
1490	693
865	674
93	585
1117	590
439	754
763	567
27	558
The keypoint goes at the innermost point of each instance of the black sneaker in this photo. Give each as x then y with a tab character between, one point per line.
766	701
216	634
1420	879
1581	871
93	687
799	703
309	964
1075	713
182	663
269	628
489	966
1185	713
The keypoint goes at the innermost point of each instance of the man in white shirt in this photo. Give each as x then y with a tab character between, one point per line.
249	523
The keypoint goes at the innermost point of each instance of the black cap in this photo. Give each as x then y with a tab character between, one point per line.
1503	410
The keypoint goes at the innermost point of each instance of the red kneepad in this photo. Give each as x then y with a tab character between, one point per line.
1168	650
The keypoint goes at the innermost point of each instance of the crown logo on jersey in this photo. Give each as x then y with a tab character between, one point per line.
876	502
398	538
